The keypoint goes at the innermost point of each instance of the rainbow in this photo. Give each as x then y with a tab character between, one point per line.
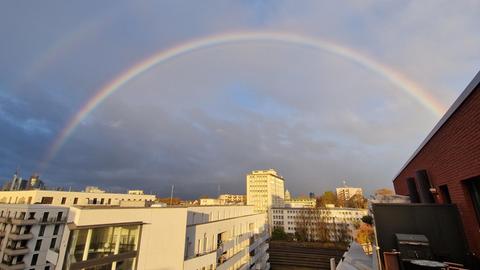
393	76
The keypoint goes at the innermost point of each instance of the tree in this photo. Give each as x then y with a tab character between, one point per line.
174	201
357	201
328	197
279	234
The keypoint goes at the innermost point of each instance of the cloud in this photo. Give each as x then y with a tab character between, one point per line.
209	117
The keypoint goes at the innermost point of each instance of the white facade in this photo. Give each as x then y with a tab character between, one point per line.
233	198
345	193
190	238
67	198
301	203
333	220
265	189
30	235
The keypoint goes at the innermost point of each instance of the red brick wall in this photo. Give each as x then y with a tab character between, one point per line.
451	156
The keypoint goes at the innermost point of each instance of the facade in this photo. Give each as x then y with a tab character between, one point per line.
233	198
67	198
216	237
30	235
318	224
210	202
301	203
345	193
265	189
446	168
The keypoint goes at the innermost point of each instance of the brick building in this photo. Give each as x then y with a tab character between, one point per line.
446	166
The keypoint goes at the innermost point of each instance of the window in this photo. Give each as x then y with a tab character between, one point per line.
55	230
52	243
31	215
42	230
34	259
45	216
38	245
59	216
75	200
109	201
47	267
64	200
445	194
473	187
46	200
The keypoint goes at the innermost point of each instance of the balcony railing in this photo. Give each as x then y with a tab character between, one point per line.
10	266
18	221
16	251
17	236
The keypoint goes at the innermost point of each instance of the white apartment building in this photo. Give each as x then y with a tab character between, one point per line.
265	189
69	198
301	203
148	238
327	223
345	193
233	198
30	235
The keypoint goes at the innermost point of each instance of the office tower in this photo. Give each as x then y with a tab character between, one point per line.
265	189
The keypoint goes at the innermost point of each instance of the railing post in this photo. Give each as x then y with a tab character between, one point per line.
332	264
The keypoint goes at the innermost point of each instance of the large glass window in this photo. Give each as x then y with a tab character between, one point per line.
95	243
102	242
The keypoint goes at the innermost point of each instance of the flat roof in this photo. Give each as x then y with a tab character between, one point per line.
458	102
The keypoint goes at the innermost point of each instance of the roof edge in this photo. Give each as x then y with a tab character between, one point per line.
453	108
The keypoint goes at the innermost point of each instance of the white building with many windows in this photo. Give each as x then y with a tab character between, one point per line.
265	189
190	238
68	198
30	235
318	224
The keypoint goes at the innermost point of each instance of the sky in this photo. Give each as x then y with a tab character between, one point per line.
203	119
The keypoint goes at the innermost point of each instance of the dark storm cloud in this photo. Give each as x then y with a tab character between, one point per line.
206	119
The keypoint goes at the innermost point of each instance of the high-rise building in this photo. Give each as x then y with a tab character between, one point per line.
265	189
345	193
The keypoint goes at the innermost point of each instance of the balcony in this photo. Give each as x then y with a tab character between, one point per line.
19	221
258	240
201	260
232	260
8	266
16	251
16	236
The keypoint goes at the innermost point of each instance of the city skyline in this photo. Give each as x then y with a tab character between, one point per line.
121	95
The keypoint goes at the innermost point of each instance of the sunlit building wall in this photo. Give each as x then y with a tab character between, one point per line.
265	189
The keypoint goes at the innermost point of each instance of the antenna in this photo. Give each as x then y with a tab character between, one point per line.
171	195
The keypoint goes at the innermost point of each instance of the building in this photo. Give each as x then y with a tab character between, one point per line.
233	198
319	224
301	202
265	189
345	193
190	238
93	189
446	168
17	183
136	192
288	196
31	234
210	201
68	198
